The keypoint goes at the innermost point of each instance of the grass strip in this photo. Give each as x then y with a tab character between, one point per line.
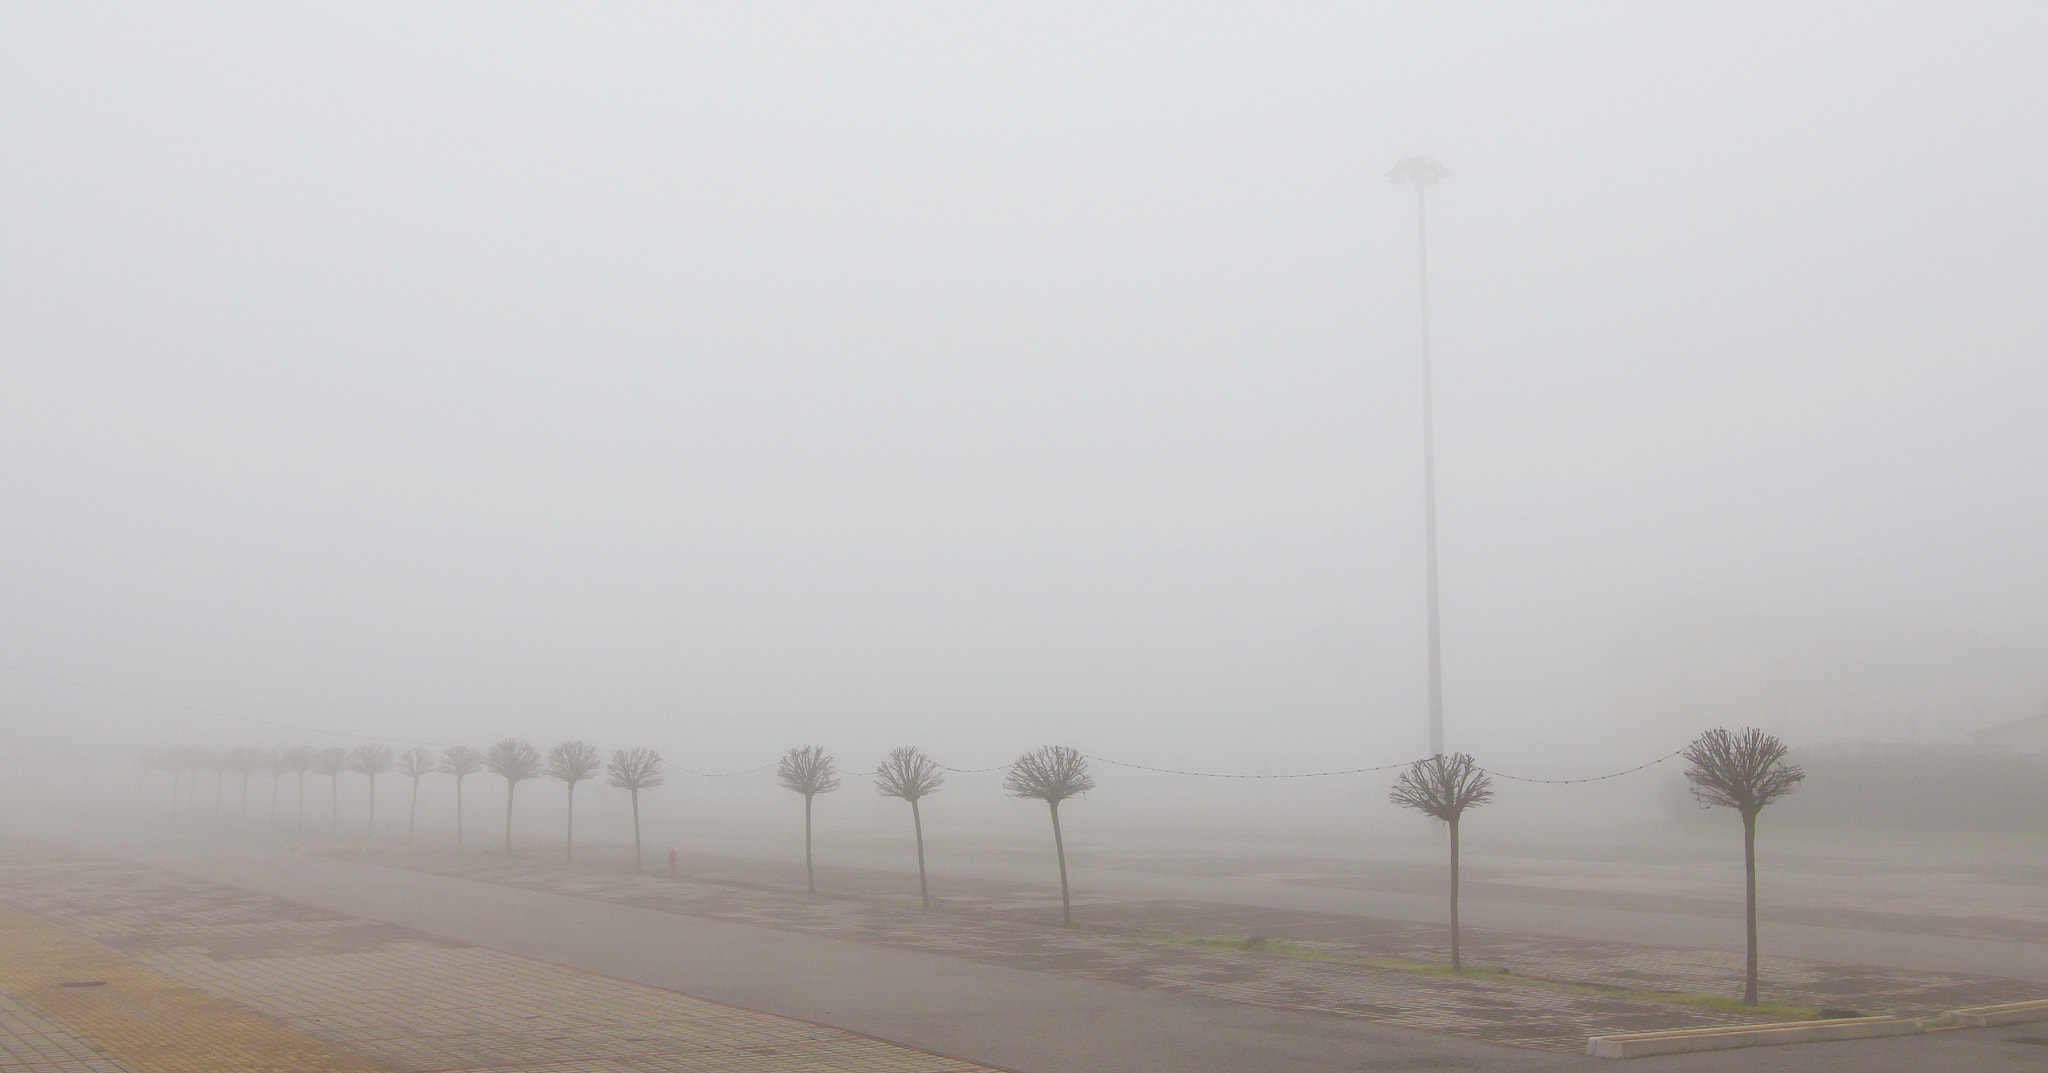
1783	1011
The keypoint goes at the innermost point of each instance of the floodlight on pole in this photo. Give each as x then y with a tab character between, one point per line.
1421	172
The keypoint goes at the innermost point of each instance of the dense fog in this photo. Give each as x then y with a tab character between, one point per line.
727	378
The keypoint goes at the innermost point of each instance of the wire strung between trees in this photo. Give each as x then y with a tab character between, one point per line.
722	774
1228	775
1594	778
973	770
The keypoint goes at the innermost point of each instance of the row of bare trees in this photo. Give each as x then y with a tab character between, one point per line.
512	759
1742	770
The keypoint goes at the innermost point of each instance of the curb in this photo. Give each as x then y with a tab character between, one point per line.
1729	1037
2010	1013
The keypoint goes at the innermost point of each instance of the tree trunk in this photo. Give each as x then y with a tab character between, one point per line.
810	877
218	778
274	780
1456	965
1060	848
333	805
412	810
458	813
302	800
244	807
370	828
1749	870
636	828
569	837
509	787
917	822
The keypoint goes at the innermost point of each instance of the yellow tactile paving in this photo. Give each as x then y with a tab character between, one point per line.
144	1020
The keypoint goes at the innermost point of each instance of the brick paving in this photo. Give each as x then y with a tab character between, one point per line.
385	998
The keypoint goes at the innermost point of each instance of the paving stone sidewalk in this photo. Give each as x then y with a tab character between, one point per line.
406	1002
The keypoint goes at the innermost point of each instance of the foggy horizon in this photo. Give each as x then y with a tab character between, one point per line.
727	379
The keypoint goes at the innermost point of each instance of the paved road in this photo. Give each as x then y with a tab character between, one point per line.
1015	1019
1916	906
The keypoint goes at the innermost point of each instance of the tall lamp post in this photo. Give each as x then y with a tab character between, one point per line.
1422	173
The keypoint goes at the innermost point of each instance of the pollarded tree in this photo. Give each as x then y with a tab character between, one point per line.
460	761
331	762
1743	770
634	770
572	762
299	758
910	775
280	762
1444	787
414	763
246	760
373	759
1052	775
514	761
807	770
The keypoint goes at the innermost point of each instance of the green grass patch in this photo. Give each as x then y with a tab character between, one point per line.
1783	1011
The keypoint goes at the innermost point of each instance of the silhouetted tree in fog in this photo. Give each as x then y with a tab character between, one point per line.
807	769
460	761
910	775
245	760
572	762
300	759
515	761
1444	787
1052	775
331	762
634	770
372	760
279	762
414	763
1743	770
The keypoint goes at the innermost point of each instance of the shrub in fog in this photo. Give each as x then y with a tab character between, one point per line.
634	770
1444	787
910	775
1052	775
572	762
1744	770
807	770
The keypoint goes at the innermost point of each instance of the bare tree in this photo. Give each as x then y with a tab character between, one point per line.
373	760
1444	787
331	762
280	761
460	761
1743	770
807	769
1052	775
634	770
216	762
414	763
572	762
910	775
299	758
245	760
515	761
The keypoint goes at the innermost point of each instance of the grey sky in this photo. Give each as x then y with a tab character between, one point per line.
978	376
